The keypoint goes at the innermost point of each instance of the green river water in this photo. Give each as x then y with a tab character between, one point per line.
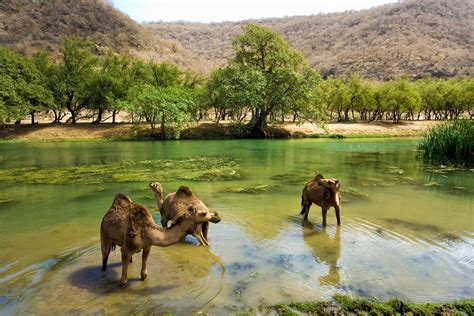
407	228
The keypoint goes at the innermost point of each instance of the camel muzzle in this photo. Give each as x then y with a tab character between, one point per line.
215	219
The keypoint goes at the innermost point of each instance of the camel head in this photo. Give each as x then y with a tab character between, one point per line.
332	184
156	187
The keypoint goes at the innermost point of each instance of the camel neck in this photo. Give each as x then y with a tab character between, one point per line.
159	200
164	237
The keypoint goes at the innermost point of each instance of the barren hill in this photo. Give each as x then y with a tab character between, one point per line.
415	37
29	25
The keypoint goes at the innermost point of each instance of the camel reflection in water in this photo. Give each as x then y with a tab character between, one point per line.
326	249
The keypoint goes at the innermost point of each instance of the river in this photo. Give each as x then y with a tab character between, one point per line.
407	228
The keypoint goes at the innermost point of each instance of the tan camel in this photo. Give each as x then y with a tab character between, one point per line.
130	226
176	204
323	192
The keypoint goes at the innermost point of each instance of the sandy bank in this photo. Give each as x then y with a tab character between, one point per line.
87	131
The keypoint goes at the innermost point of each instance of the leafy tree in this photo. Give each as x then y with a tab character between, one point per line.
73	75
335	96
22	88
165	74
109	85
172	107
400	96
279	69
234	89
360	97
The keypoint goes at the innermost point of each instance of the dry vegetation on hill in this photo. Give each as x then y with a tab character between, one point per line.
416	37
27	25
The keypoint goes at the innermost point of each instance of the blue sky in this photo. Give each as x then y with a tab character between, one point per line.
233	10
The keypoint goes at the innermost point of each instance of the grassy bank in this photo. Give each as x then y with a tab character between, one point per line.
344	305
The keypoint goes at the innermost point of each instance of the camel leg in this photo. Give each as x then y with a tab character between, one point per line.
325	212
338	215
146	252
105	247
306	211
199	236
205	230
164	221
125	262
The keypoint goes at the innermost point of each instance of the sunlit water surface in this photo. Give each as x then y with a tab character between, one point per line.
407	229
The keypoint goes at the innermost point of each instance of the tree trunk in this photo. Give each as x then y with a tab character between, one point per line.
70	109
32	117
162	127
99	116
346	115
257	125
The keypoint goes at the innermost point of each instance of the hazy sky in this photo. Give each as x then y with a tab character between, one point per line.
233	10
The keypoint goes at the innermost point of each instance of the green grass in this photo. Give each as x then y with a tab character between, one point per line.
450	143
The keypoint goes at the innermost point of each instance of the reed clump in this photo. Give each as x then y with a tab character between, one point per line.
450	143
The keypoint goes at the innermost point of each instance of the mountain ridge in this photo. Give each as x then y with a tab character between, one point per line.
417	38
27	26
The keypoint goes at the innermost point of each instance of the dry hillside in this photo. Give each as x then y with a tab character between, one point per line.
29	25
415	37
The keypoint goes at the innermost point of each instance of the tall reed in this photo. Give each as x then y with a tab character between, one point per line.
450	143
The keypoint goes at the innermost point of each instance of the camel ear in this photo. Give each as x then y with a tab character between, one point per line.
184	190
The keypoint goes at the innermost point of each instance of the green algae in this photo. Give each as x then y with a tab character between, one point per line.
196	169
261	188
353	192
290	178
4	199
344	305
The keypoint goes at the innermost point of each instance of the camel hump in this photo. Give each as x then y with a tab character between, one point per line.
318	177
184	190
120	196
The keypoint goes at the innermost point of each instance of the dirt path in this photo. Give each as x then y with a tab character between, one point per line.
87	131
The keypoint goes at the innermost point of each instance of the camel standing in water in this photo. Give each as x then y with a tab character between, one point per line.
322	192
175	204
130	226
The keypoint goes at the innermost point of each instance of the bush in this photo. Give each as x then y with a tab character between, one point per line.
450	143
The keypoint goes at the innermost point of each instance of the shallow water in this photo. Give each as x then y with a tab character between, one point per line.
407	229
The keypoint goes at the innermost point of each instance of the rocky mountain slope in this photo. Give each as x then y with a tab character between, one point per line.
415	37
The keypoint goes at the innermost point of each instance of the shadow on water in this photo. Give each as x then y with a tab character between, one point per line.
325	249
98	282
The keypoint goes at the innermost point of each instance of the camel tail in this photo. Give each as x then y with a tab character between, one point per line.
302	203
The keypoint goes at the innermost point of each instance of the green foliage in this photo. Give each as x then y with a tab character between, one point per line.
272	77
73	75
22	88
172	107
450	143
109	85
